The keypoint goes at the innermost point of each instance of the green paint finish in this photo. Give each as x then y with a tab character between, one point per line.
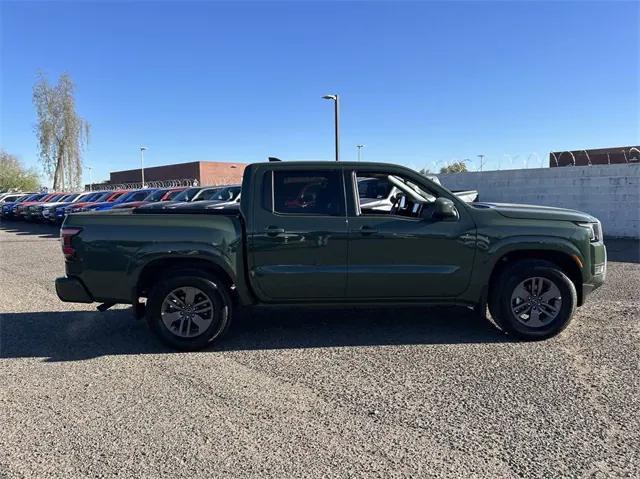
346	257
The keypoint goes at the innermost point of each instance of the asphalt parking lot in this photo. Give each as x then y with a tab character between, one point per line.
332	393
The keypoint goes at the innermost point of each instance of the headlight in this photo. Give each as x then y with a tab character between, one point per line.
595	230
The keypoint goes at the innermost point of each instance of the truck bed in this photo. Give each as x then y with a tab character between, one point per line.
114	247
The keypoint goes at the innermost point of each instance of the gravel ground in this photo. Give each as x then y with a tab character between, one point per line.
333	393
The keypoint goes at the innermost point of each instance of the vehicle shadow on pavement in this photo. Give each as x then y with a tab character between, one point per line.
80	335
23	228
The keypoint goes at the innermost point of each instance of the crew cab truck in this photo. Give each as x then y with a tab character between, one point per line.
301	236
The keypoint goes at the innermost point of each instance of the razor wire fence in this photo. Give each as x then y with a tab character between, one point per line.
583	158
627	155
174	183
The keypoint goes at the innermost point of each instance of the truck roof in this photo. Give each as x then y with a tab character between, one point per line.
325	164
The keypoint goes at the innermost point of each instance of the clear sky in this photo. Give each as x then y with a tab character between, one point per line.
421	83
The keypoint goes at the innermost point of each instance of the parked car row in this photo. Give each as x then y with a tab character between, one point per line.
54	207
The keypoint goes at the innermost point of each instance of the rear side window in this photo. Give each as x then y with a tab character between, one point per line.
306	192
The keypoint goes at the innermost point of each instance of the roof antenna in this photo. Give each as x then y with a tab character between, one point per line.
273	158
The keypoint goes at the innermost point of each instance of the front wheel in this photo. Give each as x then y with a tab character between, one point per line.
189	310
534	300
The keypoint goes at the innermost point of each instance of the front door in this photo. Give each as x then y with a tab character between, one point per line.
298	243
394	255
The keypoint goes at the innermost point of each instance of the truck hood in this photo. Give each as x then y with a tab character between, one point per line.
158	205
533	212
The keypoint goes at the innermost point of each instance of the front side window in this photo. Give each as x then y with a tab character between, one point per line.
307	192
385	194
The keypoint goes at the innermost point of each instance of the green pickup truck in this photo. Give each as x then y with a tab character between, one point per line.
303	235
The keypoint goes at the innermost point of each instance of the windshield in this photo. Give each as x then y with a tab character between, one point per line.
172	195
422	194
115	196
208	194
84	197
100	197
135	196
155	196
186	195
124	197
228	193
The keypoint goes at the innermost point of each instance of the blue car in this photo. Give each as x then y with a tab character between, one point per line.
60	211
134	195
48	210
9	209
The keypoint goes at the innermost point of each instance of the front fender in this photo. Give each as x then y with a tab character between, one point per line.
498	249
491	250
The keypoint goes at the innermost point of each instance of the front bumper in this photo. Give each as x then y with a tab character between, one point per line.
71	290
598	269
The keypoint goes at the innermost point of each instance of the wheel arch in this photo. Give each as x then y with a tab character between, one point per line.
158	268
565	261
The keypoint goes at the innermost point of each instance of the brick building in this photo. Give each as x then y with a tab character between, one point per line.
205	172
600	156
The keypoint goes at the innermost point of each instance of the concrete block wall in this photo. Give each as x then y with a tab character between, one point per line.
611	193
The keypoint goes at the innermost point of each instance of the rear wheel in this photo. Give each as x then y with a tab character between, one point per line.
533	300
189	309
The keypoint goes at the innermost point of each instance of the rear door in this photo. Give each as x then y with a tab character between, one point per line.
298	239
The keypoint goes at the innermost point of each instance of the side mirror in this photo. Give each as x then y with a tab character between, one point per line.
444	208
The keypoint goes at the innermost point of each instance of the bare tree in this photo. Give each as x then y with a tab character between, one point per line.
62	134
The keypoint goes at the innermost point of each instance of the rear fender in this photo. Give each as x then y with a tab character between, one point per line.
226	257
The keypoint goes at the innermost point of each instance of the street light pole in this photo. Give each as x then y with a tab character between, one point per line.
90	168
336	106
142	150
359	147
481	161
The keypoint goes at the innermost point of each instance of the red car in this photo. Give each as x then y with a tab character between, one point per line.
23	208
100	197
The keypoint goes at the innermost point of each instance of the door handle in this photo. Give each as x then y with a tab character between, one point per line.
367	230
273	231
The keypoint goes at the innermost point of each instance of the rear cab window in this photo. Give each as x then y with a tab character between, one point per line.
304	192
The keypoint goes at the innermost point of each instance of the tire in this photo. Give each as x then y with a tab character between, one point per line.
173	317
533	300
